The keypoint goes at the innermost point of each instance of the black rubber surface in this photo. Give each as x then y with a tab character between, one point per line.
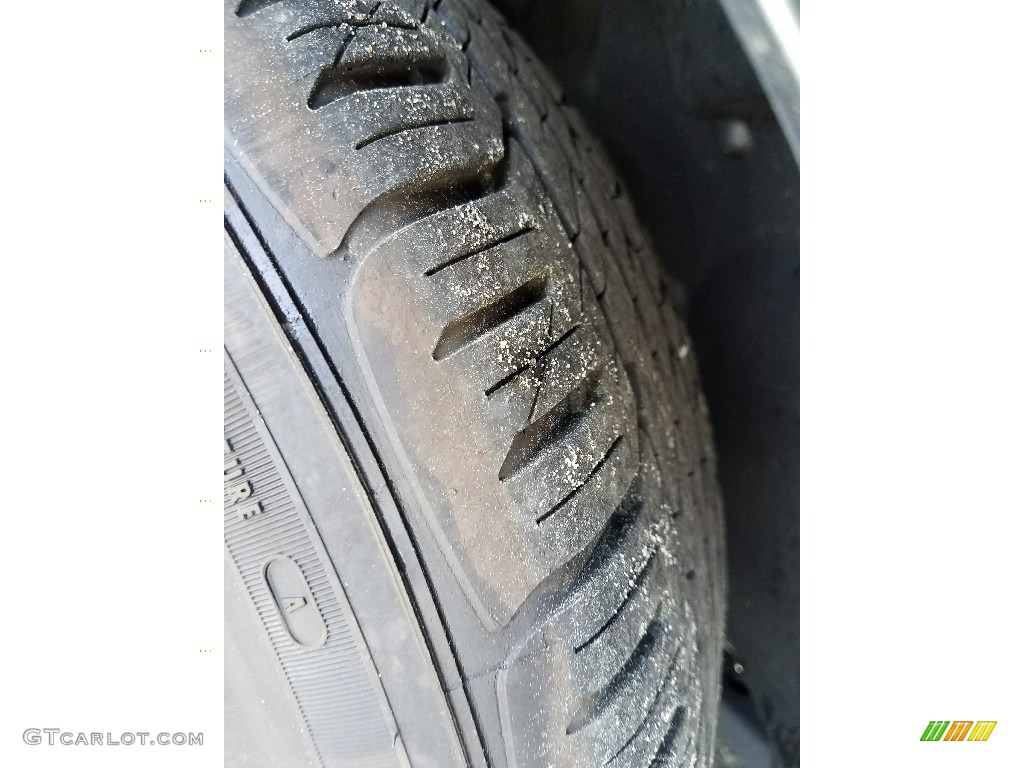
425	213
665	85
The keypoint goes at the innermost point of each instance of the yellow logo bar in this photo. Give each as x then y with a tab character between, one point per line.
982	730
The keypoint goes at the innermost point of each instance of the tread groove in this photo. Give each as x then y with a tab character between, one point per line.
667	746
460	333
575	491
662	687
410	127
336	83
544	354
462	257
249	7
597	704
506	380
553	426
634	587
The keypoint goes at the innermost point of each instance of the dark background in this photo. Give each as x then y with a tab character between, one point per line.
667	88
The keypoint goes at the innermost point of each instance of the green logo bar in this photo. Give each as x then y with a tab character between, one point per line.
935	730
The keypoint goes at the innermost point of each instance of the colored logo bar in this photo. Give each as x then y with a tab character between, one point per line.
958	730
